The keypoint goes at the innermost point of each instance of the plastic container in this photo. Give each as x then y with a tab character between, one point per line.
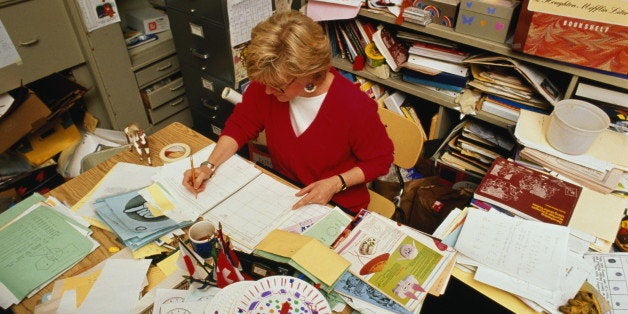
574	125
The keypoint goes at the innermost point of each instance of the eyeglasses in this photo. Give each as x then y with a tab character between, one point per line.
283	90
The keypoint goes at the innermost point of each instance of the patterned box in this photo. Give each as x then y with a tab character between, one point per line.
488	19
582	42
443	11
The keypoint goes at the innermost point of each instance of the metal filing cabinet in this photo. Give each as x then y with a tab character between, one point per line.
201	37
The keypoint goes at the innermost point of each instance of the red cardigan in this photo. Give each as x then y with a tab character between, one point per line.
346	132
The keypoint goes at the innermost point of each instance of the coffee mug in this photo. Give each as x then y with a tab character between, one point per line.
200	234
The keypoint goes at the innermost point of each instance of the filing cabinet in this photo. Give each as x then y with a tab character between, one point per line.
157	72
200	30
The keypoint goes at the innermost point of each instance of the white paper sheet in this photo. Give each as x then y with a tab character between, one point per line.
8	53
528	250
244	15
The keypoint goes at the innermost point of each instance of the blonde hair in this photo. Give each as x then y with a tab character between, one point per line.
287	45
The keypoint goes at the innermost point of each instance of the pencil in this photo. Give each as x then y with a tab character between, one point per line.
193	175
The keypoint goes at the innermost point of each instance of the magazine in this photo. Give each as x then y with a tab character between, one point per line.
402	265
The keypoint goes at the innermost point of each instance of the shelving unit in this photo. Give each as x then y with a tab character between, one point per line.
503	49
571	74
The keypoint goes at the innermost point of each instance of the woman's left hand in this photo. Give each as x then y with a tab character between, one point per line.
319	192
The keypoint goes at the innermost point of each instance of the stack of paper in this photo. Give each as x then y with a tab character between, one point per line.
38	242
135	220
119	279
527	258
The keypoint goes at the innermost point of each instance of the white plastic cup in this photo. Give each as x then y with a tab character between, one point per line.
574	125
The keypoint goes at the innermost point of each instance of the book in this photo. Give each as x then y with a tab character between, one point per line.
500	110
528	193
438	52
393	50
442	80
437	65
306	254
602	94
395	101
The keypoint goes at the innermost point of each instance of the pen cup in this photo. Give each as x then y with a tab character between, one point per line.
200	234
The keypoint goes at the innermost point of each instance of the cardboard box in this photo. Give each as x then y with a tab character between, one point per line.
582	42
26	117
147	20
488	19
443	12
48	141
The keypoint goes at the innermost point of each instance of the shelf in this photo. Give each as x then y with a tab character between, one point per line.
418	91
503	49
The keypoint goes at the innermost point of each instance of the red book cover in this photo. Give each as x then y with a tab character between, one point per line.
393	50
528	193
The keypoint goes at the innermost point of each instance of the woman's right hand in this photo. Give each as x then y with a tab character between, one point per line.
195	180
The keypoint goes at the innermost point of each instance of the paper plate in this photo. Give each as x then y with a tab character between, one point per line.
225	299
282	294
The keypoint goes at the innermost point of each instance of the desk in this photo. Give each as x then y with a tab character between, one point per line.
73	190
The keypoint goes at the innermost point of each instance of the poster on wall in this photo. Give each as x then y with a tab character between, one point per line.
98	13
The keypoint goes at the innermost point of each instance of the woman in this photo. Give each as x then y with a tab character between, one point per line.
321	129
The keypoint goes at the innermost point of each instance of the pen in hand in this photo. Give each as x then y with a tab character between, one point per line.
193	175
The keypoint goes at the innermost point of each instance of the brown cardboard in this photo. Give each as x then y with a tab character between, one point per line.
488	19
28	116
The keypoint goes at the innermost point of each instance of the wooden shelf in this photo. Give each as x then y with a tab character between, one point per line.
503	49
418	91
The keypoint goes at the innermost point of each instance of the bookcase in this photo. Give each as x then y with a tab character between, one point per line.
566	76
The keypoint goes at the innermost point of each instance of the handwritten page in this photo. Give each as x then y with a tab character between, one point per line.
244	15
608	276
329	228
258	208
529	250
232	175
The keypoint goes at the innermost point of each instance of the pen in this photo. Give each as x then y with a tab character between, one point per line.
193	175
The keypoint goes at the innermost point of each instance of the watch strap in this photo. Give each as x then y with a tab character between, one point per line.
343	183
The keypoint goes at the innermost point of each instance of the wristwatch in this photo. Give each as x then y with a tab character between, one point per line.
210	166
343	185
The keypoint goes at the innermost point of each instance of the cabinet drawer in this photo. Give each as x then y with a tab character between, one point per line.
154	96
42	33
157	70
211	10
202	45
203	85
168	109
184	117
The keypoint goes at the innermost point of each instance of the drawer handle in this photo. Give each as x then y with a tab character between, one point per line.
165	67
202	56
192	10
180	100
172	89
29	43
208	105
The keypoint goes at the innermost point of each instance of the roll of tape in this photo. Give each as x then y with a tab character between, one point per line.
174	152
373	57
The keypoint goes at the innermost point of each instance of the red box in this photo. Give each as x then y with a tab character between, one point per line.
586	43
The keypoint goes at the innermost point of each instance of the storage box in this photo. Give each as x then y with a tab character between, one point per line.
488	19
582	42
443	12
147	20
27	116
50	140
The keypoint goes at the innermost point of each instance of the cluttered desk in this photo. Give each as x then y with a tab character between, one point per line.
335	254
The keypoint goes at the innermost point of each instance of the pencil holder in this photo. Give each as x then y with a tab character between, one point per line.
200	234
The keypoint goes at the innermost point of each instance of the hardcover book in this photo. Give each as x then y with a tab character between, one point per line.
528	193
393	50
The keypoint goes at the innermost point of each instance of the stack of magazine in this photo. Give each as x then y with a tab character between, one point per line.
473	145
136	221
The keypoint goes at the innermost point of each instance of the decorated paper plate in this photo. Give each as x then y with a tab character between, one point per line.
282	295
225	299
